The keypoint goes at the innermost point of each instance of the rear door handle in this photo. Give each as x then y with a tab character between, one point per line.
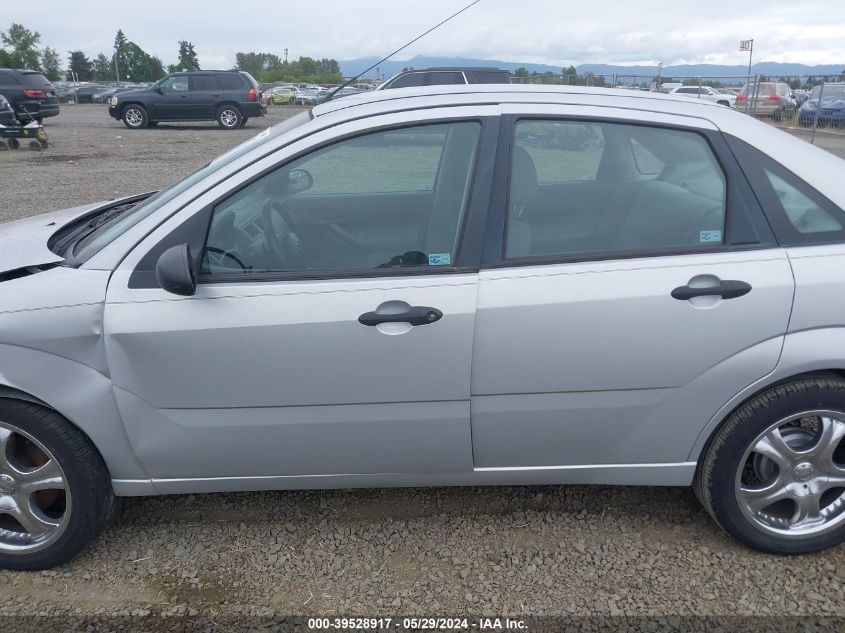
728	289
415	315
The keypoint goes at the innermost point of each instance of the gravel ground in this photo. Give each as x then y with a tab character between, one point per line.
574	551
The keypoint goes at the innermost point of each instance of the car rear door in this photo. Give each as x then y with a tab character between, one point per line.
308	359
204	94
612	325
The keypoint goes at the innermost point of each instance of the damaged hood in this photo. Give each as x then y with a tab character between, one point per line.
24	242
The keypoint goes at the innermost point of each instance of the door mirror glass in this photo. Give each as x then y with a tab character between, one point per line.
299	180
175	271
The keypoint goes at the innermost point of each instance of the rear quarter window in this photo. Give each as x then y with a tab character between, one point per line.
230	82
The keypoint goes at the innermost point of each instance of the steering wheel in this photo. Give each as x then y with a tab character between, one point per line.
289	248
222	255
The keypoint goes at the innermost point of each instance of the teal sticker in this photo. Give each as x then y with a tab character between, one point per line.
708	237
439	259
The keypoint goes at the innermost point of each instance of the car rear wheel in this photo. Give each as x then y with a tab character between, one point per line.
55	491
229	117
774	474
135	117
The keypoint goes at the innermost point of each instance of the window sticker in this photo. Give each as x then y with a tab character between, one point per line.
709	237
439	259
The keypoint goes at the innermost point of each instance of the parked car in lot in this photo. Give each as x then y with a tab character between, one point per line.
85	93
272	321
446	76
828	106
7	113
229	97
768	99
705	93
800	97
281	95
29	92
106	95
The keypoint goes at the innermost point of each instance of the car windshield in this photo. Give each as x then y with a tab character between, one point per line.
91	243
833	92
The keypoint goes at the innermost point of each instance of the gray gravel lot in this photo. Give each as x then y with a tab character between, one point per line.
575	550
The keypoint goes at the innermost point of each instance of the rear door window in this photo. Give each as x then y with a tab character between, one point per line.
8	79
445	78
203	82
578	187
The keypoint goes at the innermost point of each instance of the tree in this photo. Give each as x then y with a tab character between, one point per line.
22	47
521	72
103	69
80	66
133	62
187	58
51	64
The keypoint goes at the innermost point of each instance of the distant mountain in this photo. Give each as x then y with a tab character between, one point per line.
352	67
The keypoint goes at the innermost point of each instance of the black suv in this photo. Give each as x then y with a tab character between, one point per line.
229	97
446	76
30	93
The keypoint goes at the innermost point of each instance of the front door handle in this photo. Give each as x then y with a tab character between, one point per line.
415	315
728	289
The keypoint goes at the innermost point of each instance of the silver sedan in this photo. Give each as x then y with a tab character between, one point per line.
441	286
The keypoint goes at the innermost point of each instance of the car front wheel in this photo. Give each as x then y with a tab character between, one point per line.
774	474
229	117
55	491
135	117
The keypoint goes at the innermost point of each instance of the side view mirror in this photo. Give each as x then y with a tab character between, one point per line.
175	271
299	180
158	89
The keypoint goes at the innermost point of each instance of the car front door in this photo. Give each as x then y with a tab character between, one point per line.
172	99
332	326
635	291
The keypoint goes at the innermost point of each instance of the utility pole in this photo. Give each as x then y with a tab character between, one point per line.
116	72
286	56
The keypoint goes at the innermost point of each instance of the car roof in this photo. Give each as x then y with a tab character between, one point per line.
469	94
462	68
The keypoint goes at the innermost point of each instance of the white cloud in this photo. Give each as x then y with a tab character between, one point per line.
613	31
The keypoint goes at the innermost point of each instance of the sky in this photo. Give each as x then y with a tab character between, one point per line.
539	31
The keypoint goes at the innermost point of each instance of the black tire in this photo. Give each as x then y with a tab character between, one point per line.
724	103
13	143
92	501
135	117
715	481
229	117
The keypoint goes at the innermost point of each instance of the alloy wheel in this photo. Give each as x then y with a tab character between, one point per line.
791	480
35	502
134	117
229	117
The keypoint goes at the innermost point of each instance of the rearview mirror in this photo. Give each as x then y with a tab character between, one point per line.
175	271
299	180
